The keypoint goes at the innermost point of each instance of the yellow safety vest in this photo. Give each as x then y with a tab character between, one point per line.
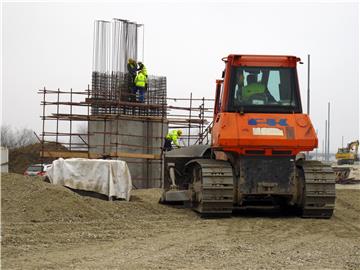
173	136
140	80
254	88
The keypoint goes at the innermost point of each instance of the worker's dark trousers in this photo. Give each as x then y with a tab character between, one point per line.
141	93
167	145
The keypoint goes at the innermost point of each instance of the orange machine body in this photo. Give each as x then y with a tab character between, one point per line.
263	134
259	133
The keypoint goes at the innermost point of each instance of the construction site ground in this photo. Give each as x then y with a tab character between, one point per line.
50	227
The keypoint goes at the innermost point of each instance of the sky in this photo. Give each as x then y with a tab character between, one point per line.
50	45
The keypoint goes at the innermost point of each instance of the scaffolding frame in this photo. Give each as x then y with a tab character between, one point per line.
192	115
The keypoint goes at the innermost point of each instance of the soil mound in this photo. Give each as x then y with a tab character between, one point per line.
30	199
20	158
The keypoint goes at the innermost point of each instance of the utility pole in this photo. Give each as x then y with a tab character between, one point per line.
308	87
326	138
328	146
342	141
323	150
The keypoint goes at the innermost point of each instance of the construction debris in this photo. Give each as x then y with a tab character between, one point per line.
347	174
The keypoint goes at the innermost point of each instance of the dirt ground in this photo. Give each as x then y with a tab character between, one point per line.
50	227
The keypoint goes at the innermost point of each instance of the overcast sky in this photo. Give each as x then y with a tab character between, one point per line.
50	45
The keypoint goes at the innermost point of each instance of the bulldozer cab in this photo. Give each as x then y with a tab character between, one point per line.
264	89
254	87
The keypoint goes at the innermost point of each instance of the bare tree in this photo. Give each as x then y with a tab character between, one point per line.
15	138
6	136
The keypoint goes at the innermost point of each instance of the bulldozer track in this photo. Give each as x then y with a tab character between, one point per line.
213	188
319	190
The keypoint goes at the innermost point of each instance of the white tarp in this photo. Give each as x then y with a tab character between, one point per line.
109	177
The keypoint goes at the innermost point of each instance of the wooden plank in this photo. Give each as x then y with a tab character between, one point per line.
134	155
68	154
82	154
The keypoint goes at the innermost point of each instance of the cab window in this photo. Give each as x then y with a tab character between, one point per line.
263	89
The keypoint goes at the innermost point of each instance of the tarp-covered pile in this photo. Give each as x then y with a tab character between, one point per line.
109	177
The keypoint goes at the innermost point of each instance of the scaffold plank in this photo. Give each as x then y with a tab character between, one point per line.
84	154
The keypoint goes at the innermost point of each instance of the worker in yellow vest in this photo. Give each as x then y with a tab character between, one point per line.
172	137
140	82
144	70
255	89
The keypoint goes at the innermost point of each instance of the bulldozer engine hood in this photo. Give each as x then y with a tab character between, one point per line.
264	134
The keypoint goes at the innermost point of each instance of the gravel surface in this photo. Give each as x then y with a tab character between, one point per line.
50	227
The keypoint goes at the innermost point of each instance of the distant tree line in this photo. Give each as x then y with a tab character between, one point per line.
17	137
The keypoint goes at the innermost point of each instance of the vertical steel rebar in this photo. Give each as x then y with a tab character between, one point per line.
190	119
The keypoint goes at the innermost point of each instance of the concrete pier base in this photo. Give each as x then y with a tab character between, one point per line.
135	136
